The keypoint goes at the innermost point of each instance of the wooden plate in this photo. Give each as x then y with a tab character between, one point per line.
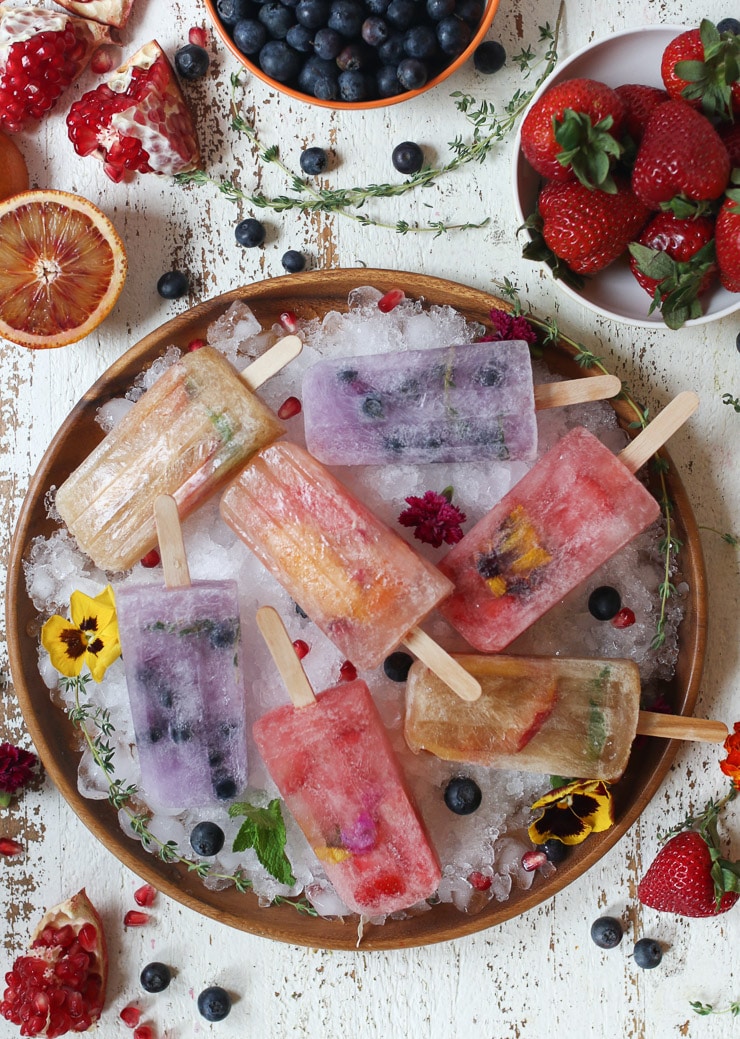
310	295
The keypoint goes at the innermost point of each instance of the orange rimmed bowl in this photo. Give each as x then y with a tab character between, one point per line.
455	63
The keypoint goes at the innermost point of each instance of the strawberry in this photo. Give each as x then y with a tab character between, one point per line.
674	261
728	238
587	229
41	53
138	120
701	67
639	102
109	12
730	134
681	155
572	131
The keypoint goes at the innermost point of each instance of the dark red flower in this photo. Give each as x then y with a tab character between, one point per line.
16	767
507	326
435	517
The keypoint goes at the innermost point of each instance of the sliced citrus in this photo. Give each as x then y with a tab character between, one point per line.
62	268
13	172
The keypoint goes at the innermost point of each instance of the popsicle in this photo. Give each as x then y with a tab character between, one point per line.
573	510
364	586
567	717
460	403
336	770
186	436
182	654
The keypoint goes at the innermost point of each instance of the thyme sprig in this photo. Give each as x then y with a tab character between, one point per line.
585	358
94	722
704	1009
488	129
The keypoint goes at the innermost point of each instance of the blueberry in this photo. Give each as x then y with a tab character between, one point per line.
293	261
372	407
401	13
375	31
326	86
407	157
387	81
182	733
250	36
276	18
207	839
471	11
378	7
729	25
462	795
346	17
214	1003
225	788
647	953
312	13
353	85
155	977
439	9
300	39
250	233
606	932
453	36
391	51
604	603
224	634
300	611
396	666
420	42
347	374
192	61
353	56
314	161
232	11
279	61
555	851
314	71
172	285
489	57
412	74
327	43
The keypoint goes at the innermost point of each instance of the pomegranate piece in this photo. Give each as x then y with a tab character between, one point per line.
138	121
109	12
41	53
59	986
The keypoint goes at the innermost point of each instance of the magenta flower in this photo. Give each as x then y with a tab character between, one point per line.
435	517
507	326
16	769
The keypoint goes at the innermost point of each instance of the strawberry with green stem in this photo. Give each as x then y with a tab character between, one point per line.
702	67
689	876
728	237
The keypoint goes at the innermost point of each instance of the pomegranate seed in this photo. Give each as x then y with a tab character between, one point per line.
289	321
196	344
88	937
390	300
151	559
301	648
289	408
134	918
347	672
625	618
198	36
145	895
130	1015
532	860
10	847
103	60
144	1032
480	881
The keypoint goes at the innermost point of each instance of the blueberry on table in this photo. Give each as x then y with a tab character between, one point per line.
462	795
314	161
606	932
604	603
293	261
172	285
647	953
407	157
207	839
191	61
155	977
250	233
489	57
249	35
729	25
397	665
214	1003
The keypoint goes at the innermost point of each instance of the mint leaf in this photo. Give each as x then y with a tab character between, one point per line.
264	830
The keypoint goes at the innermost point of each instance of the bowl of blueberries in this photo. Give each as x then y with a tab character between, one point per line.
352	53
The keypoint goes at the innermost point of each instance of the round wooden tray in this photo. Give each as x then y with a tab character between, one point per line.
309	295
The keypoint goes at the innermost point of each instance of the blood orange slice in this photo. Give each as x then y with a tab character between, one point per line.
62	268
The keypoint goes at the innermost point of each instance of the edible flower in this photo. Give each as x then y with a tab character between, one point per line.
731	764
89	638
571	812
435	517
16	769
509	326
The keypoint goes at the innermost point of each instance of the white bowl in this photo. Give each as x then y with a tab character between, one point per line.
625	57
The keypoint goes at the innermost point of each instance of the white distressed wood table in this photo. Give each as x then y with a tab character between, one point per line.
538	974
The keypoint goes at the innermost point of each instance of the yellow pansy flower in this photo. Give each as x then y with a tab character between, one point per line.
89	638
571	812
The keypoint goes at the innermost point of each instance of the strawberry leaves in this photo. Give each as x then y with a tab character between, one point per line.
710	81
587	148
678	284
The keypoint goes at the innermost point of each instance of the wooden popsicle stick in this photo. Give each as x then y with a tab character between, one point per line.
171	544
283	653
271	361
664	425
575	391
680	727
442	664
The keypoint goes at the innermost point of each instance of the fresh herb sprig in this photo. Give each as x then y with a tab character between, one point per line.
585	358
95	724
734	402
488	129
704	1009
